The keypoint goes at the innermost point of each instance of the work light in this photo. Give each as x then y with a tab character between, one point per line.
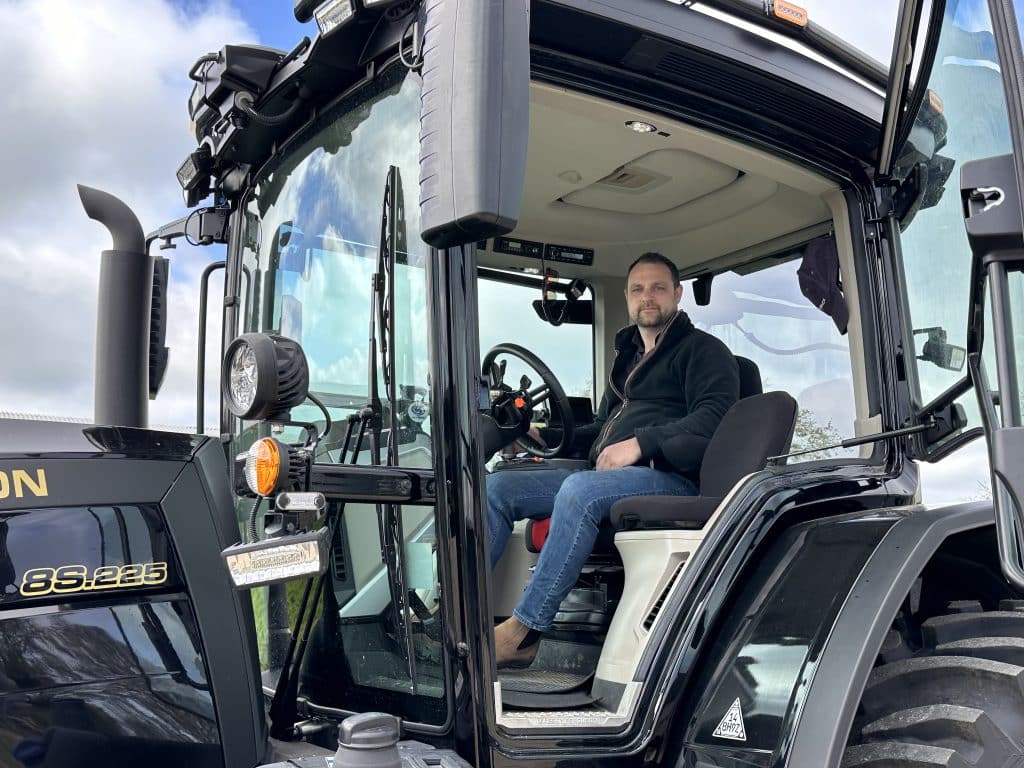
264	376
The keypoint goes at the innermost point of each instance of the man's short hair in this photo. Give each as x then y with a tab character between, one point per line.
653	257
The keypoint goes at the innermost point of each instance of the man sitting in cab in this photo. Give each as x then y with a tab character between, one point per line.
668	380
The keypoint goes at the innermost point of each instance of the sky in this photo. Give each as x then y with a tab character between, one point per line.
97	95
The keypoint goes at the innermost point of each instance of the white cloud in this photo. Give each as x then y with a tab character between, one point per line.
97	95
961	476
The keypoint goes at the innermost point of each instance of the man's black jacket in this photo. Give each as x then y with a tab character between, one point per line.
671	401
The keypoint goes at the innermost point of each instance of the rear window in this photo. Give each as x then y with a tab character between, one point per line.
763	316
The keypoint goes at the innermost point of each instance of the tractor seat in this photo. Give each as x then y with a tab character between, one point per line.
752	430
680	452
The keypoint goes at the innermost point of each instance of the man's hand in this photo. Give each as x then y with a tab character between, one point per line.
623	454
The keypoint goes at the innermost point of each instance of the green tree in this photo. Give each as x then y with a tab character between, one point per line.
812	433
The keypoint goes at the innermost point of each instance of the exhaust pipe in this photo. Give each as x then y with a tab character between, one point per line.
122	327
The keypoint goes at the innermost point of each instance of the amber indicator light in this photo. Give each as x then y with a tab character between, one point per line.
267	466
794	14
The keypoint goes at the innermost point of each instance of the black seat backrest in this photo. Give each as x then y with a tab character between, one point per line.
750	377
755	428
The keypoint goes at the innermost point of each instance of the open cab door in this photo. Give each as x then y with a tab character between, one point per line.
945	108
991	195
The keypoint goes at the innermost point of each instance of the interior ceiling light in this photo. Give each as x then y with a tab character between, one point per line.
640	126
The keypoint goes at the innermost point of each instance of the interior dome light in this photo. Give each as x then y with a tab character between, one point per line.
640	126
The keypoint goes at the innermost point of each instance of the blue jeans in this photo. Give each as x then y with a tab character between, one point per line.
577	501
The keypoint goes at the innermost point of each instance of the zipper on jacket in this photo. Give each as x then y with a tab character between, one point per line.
624	395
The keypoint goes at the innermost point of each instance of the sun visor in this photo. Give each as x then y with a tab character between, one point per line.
820	281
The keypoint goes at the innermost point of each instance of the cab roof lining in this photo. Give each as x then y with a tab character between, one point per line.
700	198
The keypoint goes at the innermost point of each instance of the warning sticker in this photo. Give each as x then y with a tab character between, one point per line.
731	726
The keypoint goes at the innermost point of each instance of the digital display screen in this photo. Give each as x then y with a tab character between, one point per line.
518	247
570	254
565	253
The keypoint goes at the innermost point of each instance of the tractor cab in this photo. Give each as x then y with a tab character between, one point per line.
738	222
486	264
337	241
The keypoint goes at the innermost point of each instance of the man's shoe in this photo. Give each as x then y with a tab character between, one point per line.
508	637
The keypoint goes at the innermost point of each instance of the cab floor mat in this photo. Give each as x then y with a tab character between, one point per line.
533	680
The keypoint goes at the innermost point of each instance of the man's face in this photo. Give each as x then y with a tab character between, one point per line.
651	296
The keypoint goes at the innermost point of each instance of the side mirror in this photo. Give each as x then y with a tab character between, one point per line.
937	351
290	252
474	119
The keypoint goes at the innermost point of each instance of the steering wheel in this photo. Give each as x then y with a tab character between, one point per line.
549	390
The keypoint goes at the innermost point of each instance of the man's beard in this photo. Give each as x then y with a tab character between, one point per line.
651	319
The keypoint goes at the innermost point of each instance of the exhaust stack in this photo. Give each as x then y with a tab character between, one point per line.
122	327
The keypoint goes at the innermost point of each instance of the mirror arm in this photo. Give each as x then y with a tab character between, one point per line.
203	226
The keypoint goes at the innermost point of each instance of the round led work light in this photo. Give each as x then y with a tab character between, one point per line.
264	376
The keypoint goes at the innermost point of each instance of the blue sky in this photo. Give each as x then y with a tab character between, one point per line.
275	23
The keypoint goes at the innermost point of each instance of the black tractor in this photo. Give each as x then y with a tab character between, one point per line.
428	214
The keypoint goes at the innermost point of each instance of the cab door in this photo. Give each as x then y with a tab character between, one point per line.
990	195
946	108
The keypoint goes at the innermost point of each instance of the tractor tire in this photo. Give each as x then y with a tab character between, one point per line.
958	702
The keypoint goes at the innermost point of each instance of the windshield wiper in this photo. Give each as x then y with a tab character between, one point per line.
382	313
813	35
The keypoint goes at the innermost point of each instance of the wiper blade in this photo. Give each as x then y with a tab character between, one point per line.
389	516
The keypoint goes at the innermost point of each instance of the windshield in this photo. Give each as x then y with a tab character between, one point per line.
311	247
567	349
311	242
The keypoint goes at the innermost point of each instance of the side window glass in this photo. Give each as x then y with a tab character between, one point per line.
763	316
966	83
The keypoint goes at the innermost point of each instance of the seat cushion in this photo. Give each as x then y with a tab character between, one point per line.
638	512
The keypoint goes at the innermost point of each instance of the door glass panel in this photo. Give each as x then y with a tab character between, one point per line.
936	256
311	244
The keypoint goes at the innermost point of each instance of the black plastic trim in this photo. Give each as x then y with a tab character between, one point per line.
347	482
201	522
824	722
775	95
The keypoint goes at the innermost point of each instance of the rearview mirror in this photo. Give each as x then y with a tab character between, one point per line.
558	311
937	351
